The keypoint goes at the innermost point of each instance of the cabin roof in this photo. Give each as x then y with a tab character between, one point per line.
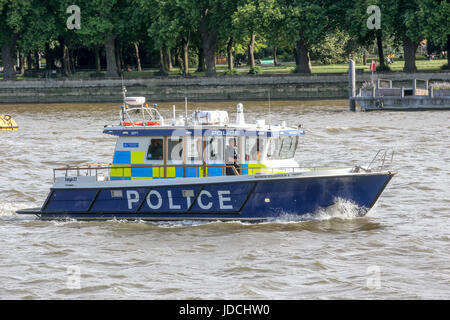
229	131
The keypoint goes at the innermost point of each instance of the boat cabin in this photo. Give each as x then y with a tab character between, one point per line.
204	145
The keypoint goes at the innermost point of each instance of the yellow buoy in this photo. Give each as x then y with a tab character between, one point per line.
7	123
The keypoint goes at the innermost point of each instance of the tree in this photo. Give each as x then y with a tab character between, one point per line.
214	25
397	14
255	17
102	22
434	16
306	24
353	17
175	23
13	21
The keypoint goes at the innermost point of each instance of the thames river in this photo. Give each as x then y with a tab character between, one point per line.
399	250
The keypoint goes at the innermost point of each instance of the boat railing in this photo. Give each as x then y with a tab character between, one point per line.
382	160
98	170
147	114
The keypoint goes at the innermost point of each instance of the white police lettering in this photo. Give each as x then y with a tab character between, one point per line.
205	200
225	133
188	201
222	199
171	205
200	201
158	196
132	197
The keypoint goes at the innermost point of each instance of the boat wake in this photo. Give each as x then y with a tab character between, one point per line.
8	210
350	129
342	209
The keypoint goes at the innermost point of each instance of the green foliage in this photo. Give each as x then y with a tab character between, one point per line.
307	20
434	17
331	30
332	49
231	72
256	70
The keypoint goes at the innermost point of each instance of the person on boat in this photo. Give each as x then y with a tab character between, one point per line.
231	157
155	150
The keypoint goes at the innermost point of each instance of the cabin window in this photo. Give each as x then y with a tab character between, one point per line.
156	149
282	148
293	148
215	149
254	147
231	151
273	153
175	148
195	147
287	151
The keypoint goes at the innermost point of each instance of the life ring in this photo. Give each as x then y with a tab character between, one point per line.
140	123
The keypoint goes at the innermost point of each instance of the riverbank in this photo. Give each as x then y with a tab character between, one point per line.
220	88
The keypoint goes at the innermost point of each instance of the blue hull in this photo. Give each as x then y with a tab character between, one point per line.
249	200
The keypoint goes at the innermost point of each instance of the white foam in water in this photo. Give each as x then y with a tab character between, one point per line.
341	209
8	210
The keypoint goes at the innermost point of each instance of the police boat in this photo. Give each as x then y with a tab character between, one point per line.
204	167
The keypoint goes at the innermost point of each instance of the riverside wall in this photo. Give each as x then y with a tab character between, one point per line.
220	88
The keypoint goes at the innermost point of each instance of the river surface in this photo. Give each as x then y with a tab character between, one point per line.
399	250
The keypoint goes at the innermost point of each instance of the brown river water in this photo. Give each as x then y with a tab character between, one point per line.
399	250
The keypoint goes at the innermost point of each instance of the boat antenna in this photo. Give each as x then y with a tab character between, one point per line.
124	90
269	108
124	94
185	109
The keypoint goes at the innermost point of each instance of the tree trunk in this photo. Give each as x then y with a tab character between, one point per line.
49	57
364	59
448	52
168	58
275	56
185	43
64	52
251	52
380	50
37	57
209	40
29	61
111	64
201	60
8	49
119	60
303	60
71	61
162	63
296	59
66	61
179	60
138	59
98	65
409	52
230	53
23	62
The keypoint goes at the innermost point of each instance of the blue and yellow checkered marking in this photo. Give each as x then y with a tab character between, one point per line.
134	162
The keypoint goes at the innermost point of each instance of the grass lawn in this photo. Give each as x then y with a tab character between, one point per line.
422	65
